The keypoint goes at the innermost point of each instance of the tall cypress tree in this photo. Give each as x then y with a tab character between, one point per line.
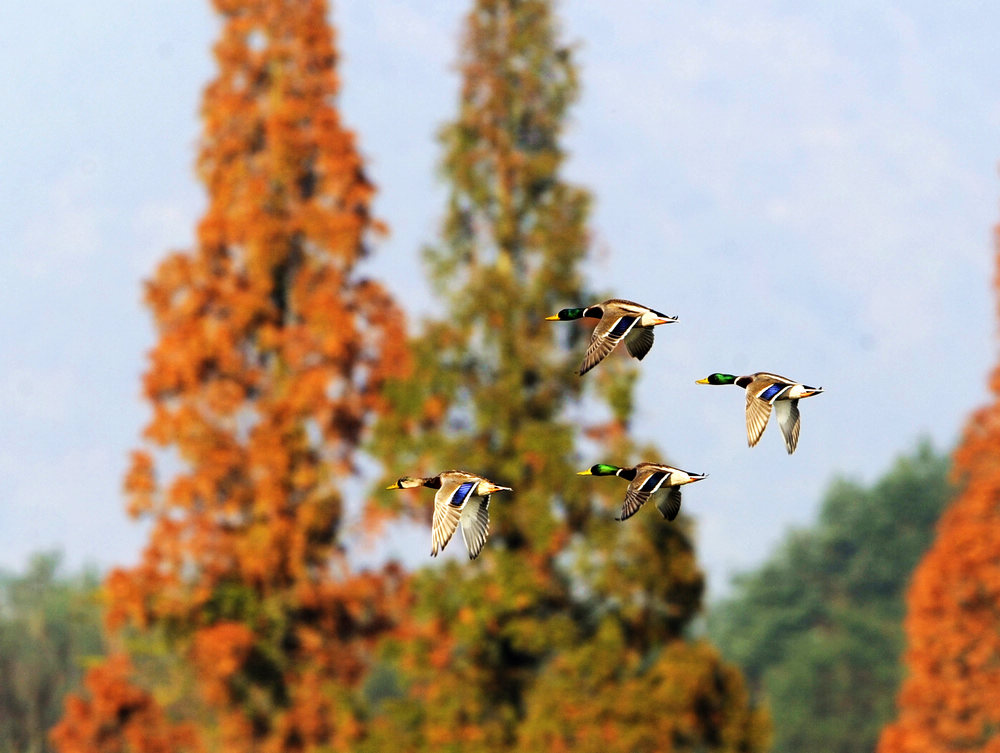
492	386
271	355
498	649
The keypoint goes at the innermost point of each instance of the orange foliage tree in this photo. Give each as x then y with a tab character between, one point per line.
120	716
269	364
950	699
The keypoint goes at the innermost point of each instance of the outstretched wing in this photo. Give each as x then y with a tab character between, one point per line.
476	525
448	504
758	411
645	483
639	341
787	412
607	334
634	499
669	504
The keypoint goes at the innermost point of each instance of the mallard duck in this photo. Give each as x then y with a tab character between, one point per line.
619	319
764	390
452	506
645	479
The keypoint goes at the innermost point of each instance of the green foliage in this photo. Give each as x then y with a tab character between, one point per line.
50	623
563	596
817	628
680	698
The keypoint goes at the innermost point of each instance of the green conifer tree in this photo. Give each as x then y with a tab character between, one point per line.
498	648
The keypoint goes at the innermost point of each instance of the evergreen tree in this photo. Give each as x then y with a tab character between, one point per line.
816	628
271	356
500	653
948	700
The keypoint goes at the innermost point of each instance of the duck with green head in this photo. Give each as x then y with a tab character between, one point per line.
645	480
765	390
619	319
453	504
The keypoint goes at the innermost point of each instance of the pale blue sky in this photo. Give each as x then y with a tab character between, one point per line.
812	192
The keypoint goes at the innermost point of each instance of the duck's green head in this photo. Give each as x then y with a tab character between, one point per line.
601	469
566	315
718	379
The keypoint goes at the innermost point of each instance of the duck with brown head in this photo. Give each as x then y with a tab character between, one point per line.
461	498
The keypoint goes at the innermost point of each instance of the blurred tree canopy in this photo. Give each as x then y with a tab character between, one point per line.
570	630
817	627
50	625
242	627
949	699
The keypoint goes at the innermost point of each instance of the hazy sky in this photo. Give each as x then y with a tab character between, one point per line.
812	192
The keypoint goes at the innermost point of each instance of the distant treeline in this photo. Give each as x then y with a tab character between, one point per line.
817	629
50	623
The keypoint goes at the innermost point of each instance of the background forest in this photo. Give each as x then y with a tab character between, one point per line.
301	358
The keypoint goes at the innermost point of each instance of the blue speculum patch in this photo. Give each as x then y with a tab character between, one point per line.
771	391
622	326
462	493
652	482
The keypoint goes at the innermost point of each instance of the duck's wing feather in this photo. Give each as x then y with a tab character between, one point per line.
758	411
763	379
669	504
634	499
476	525
614	325
787	412
639	341
770	392
646	482
449	501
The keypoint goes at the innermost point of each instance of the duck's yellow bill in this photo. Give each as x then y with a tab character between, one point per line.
702	381
394	486
584	473
553	318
